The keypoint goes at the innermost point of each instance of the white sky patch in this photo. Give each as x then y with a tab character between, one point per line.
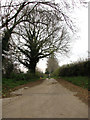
79	46
42	64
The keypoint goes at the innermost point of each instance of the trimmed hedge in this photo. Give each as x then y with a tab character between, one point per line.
75	69
77	73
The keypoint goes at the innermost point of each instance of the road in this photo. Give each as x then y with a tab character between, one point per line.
47	100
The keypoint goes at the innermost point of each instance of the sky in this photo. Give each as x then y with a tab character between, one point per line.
79	47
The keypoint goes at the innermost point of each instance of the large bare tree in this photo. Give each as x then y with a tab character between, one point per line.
44	33
11	14
14	15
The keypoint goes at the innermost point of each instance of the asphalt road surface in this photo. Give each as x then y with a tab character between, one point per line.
47	100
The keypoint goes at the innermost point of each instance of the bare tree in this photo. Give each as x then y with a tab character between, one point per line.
14	15
42	35
11	15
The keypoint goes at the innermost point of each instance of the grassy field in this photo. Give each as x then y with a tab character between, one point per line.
81	81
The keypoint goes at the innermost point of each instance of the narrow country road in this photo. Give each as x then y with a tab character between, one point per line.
47	100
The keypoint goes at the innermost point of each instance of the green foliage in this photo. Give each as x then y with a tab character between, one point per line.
15	80
39	74
75	69
24	76
56	73
46	72
11	83
21	78
77	73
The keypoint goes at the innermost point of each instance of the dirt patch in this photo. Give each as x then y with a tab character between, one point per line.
81	93
30	84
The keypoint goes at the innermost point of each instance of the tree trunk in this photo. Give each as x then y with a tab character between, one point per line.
5	40
33	67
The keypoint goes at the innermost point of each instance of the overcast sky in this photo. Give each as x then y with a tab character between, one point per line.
79	46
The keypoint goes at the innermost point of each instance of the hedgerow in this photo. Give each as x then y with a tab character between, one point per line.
75	69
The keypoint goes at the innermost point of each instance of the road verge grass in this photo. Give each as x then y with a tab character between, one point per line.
81	81
10	84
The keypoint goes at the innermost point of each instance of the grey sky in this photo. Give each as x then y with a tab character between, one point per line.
79	48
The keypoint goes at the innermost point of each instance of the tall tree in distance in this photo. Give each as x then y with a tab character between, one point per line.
52	64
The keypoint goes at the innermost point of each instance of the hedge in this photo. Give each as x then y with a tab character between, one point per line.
75	69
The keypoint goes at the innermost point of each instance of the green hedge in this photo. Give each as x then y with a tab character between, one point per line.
24	76
77	73
75	69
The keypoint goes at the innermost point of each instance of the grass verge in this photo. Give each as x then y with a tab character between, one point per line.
81	81
9	85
